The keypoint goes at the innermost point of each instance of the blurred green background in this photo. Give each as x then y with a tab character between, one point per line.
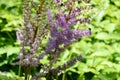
101	51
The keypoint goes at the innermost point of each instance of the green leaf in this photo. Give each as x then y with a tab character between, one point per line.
102	36
10	50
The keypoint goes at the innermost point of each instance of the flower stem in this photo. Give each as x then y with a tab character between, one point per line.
19	70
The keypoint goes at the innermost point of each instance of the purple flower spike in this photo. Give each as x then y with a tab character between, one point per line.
81	33
62	21
49	16
72	21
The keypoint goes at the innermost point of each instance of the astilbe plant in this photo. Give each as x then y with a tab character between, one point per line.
39	25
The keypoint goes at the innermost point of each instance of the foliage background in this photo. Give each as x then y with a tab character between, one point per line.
101	51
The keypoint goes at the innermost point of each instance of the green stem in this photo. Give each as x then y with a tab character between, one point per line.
27	71
19	71
63	77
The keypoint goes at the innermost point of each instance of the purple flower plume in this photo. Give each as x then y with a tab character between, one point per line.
61	32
